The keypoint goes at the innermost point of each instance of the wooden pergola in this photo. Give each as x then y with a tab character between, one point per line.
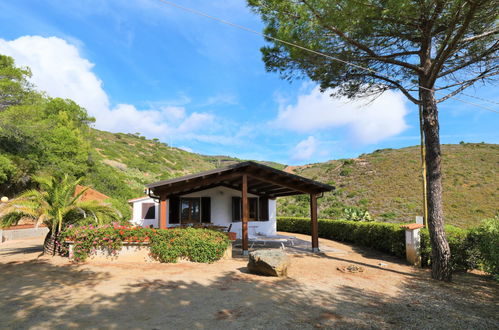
247	177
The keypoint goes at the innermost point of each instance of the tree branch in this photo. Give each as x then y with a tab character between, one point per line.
398	86
451	47
465	85
479	36
475	59
359	45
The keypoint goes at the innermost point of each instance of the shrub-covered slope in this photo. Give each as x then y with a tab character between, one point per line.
388	184
124	163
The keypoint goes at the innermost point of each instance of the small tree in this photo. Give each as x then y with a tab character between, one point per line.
56	205
417	47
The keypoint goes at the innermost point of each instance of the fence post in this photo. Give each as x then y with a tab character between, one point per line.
413	243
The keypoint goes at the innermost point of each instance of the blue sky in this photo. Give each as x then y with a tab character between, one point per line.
143	66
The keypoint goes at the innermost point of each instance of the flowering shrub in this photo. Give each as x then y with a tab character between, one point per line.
195	244
166	245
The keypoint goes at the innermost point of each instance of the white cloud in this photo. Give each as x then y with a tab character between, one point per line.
367	122
305	149
60	71
220	99
176	113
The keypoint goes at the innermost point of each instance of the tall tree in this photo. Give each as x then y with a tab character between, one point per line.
430	50
14	86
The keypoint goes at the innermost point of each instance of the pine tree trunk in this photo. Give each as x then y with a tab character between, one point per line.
440	263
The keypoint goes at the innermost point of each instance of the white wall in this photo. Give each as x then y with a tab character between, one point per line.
221	212
137	213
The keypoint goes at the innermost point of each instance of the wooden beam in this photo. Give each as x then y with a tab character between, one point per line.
281	183
238	188
194	184
162	211
278	190
245	209
313	222
285	194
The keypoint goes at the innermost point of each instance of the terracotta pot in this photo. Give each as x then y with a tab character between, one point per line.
231	235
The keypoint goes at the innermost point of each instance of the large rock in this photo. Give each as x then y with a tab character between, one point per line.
272	262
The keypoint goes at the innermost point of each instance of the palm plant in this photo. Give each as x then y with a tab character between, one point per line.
56	206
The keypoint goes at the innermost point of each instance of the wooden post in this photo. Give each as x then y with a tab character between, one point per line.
162	212
313	223
245	215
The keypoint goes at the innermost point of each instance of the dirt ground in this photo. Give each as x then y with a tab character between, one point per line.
44	292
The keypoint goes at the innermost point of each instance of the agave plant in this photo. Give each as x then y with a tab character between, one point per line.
56	206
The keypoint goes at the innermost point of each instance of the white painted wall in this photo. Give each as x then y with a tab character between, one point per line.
221	212
137	213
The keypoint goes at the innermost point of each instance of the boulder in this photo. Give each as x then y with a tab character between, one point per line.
272	262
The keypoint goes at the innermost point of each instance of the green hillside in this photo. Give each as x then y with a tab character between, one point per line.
122	164
40	135
387	183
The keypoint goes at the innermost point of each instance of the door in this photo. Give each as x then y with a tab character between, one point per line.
190	210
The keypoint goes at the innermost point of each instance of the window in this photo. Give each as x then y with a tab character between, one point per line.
190	210
253	208
256	212
148	211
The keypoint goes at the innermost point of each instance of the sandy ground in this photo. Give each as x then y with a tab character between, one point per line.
44	292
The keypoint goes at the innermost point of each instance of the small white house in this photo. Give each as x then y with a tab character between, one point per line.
241	196
219	206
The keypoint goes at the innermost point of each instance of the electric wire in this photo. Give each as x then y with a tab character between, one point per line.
244	28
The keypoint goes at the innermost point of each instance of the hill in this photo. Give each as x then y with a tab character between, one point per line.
41	135
387	183
122	164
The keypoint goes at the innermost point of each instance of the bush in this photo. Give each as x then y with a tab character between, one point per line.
385	237
195	244
464	252
486	238
470	249
166	245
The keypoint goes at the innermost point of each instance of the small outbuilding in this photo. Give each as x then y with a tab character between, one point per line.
242	196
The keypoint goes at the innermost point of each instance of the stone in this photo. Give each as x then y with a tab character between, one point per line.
271	262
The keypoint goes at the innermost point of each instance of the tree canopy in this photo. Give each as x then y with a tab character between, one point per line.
456	38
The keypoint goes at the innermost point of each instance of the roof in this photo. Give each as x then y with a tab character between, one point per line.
138	199
262	180
90	194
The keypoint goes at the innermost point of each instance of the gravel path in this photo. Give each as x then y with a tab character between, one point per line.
44	292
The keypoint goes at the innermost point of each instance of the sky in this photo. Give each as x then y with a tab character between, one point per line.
141	66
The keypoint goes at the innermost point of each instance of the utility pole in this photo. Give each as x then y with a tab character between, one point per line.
423	166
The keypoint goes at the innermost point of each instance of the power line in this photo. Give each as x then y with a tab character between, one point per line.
241	27
480	98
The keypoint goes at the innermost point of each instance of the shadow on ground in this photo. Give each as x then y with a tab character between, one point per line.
39	294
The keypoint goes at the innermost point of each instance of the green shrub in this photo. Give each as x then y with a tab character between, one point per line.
166	245
486	238
470	249
195	244
357	214
385	237
464	253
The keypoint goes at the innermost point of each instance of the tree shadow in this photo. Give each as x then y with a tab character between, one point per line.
38	294
32	291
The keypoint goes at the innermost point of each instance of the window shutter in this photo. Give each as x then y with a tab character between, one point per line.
236	209
264	209
174	209
205	209
148	211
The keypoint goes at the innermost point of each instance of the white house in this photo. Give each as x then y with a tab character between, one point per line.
241	196
219	206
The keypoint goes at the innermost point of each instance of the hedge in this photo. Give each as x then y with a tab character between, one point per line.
166	245
385	237
470	249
